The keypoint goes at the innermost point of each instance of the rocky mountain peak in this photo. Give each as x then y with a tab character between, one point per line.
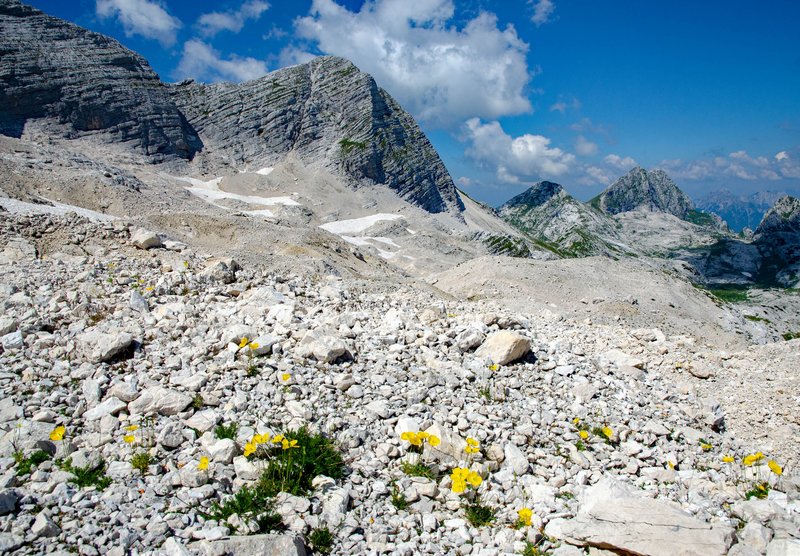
81	84
326	111
536	195
639	189
783	217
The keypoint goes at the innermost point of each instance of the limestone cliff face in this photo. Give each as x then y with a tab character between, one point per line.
86	82
328	111
639	189
782	218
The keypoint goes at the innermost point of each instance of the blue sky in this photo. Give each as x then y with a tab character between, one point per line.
512	92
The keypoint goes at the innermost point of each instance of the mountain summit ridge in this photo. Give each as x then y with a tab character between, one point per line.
640	189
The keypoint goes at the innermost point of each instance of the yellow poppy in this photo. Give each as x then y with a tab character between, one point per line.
129	438
243	342
58	433
203	465
132	428
434	440
525	515
583	434
774	467
728	459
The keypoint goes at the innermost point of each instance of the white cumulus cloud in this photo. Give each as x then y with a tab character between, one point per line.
515	159
542	10
584	147
232	20
147	18
441	73
200	61
738	164
620	163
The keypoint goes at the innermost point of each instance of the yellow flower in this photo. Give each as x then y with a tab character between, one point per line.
728	459
474	479
774	467
203	465
434	440
752	458
494	367
253	346
149	288
129	438
459	486
608	432
423	435
285	377
406	436
287	444
706	446
278	439
576	421
459	476
243	342
525	515
583	434
249	449
260	439
131	428
671	465
472	446
58	433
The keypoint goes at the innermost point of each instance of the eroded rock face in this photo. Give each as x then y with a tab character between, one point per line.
86	83
324	111
643	190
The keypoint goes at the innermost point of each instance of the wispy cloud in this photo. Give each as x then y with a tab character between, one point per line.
584	147
232	20
200	61
441	73
515	159
542	11
739	165
147	18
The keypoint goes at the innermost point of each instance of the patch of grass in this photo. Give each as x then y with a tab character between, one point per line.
580	446
754	318
321	540
418	469
349	146
730	294
141	461
791	336
228	431
87	476
249	503
700	218
198	402
399	500
479	514
292	470
532	549
24	464
485	392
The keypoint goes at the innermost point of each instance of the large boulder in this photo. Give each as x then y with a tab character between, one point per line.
612	517
504	347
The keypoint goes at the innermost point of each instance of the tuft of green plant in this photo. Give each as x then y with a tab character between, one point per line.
485	392
759	490
293	468
24	465
198	402
349	146
791	336
399	500
321	540
419	469
532	549
580	446
479	514
249	503
228	431
730	294
87	476
141	461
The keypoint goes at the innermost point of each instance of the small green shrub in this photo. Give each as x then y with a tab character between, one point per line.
399	500
791	336
24	465
321	540
479	514
419	469
87	476
141	461
249	503
198	402
292	469
228	431
349	146
759	490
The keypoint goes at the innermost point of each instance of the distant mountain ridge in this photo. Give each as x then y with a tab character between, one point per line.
739	211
